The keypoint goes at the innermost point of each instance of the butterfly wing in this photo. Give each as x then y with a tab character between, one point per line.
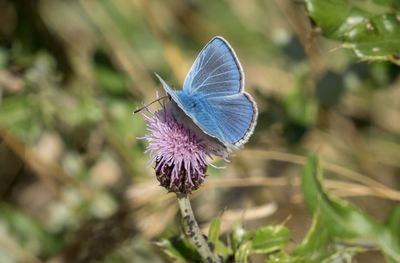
231	119
216	71
213	96
168	89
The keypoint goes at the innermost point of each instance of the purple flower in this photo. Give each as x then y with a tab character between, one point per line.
180	154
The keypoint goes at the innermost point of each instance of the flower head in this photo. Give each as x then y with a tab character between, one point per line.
180	153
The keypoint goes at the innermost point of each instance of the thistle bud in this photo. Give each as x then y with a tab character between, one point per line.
179	153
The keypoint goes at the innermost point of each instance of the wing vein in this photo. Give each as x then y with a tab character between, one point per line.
211	73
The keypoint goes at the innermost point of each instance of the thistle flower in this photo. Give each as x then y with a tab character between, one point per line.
179	151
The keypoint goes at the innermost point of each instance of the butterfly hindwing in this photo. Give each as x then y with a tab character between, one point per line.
229	117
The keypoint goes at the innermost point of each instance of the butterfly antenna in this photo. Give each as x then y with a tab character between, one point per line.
147	105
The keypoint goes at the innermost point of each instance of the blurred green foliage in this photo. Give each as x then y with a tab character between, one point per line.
340	230
343	221
75	185
371	31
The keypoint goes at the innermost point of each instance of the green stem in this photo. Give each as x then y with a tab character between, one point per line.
193	232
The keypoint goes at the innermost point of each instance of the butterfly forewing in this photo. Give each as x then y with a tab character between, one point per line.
216	71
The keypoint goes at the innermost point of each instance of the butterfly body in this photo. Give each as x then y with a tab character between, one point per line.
213	97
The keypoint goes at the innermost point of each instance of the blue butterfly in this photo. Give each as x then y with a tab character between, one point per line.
213	95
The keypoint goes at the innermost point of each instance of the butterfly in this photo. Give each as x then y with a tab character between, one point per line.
213	95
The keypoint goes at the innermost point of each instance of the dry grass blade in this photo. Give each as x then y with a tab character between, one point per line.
124	55
230	217
376	186
171	52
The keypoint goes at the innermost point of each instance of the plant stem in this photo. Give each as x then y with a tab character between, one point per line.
193	232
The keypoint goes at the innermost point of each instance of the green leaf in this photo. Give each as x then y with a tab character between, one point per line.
222	249
319	246
243	252
262	241
343	220
314	246
213	232
268	239
213	237
343	254
179	249
371	36
236	236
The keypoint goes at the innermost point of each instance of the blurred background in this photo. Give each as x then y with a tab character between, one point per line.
74	181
